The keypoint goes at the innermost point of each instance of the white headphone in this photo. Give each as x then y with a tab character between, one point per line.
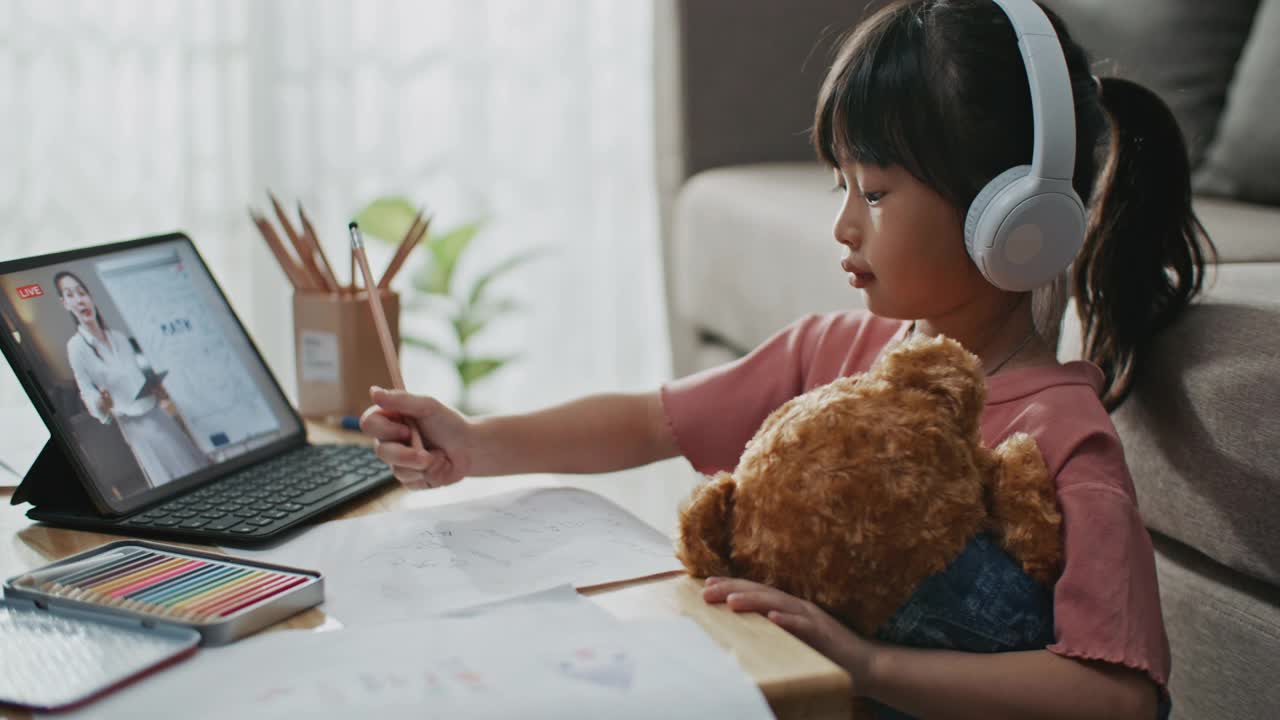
1027	224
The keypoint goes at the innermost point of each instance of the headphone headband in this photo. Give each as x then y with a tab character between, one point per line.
1027	224
1052	108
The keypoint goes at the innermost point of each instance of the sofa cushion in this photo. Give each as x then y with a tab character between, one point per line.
1243	159
1184	51
1242	232
1200	431
1224	634
753	250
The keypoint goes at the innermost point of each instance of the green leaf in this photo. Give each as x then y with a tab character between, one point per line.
446	249
387	218
465	326
434	349
474	318
473	369
482	282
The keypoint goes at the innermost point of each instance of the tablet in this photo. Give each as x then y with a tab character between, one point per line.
92	334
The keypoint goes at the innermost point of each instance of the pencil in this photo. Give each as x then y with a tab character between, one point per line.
410	241
286	260
401	249
299	245
66	570
379	317
313	240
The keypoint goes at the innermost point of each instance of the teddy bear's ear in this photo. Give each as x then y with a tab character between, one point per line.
939	366
704	545
1024	508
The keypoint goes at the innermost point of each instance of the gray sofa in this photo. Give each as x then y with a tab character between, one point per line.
747	244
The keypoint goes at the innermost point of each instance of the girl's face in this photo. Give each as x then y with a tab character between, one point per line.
905	244
76	299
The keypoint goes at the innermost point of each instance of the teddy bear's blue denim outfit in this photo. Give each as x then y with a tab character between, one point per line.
982	602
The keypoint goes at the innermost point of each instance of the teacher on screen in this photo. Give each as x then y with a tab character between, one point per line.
109	378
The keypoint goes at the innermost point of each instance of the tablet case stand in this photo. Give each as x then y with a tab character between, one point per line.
52	485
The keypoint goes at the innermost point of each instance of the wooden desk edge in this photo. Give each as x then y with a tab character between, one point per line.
811	686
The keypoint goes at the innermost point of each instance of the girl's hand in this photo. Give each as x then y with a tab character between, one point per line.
446	436
801	618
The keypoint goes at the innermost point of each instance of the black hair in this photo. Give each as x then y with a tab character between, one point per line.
96	310
939	88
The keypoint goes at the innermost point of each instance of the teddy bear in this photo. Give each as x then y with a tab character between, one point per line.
856	493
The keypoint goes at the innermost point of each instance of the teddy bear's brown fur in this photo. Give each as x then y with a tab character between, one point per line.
854	492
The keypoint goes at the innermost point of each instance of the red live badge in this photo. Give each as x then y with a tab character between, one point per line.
29	291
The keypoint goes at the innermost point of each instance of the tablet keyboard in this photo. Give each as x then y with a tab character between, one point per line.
268	497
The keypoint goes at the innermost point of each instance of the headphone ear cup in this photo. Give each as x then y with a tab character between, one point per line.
975	245
1022	231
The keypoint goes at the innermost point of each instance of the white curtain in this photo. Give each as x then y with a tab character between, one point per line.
124	118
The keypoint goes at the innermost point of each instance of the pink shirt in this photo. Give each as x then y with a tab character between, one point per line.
1107	602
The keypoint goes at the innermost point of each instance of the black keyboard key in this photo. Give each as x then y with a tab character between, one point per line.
194	523
244	529
222	523
346	481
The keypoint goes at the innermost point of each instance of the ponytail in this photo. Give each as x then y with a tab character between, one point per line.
1145	250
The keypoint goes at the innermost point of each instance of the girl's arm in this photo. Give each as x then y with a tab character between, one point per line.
593	434
949	684
1033	684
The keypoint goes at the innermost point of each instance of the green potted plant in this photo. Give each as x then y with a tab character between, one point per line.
468	308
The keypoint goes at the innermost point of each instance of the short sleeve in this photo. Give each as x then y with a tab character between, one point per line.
1107	602
715	412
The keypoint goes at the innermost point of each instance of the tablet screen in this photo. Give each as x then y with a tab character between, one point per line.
144	369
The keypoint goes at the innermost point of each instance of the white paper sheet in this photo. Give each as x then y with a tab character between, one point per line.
559	607
545	659
410	564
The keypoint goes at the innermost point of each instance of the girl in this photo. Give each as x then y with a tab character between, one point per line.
926	102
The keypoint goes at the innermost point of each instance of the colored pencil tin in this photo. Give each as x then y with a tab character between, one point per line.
221	597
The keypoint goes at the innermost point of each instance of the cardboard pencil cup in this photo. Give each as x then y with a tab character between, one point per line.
338	352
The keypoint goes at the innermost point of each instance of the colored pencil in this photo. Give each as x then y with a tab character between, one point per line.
410	240
299	244
313	241
298	277
67	570
164	584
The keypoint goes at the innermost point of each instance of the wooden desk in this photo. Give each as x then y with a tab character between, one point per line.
796	680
